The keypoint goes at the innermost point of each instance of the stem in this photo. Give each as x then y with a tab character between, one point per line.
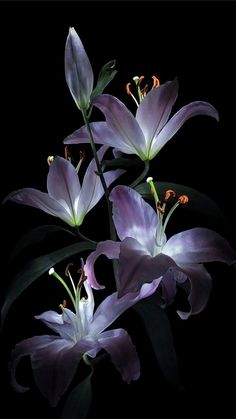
142	175
82	236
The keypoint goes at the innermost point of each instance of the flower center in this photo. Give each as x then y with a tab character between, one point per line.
141	91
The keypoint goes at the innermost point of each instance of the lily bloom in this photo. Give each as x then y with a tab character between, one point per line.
78	70
55	358
149	130
66	198
145	254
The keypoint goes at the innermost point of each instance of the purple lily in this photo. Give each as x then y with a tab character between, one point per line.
145	254
147	132
78	70
66	198
55	359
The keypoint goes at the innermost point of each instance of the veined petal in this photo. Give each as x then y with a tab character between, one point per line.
123	123
176	122
133	217
154	110
63	185
199	245
86	308
137	267
67	324
78	70
108	248
102	134
123	353
41	200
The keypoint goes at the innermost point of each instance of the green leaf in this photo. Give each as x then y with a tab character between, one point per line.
106	75
158	329
120	163
35	236
79	401
37	267
197	200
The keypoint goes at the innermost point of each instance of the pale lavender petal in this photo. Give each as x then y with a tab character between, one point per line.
78	70
154	110
112	307
108	248
136	267
199	245
122	352
67	324
102	134
133	217
41	200
85	308
123	123
176	122
64	186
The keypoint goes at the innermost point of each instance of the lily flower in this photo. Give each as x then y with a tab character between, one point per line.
78	71
145	254
66	198
55	358
146	133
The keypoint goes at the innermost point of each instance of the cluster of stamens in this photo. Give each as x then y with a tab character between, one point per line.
141	91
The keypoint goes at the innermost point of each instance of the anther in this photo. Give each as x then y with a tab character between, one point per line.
156	82
128	91
183	199
50	160
67	270
83	277
67	153
169	193
160	209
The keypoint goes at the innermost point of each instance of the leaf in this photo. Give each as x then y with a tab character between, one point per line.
158	329
197	200
35	268
79	401
106	75
35	236
120	163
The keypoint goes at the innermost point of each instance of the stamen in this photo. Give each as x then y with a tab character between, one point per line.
67	153
144	90
82	157
50	160
128	91
153	190
61	280
67	268
156	82
140	79
63	305
160	208
169	193
83	277
183	199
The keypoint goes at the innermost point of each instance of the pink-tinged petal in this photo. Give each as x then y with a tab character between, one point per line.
133	217
108	248
63	185
122	352
154	110
102	134
136	267
123	123
176	122
113	306
199	245
78	70
41	200
200	288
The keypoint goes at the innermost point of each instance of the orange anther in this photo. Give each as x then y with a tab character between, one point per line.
68	268
169	193
83	277
144	90
140	80
160	209
183	199
128	91
156	82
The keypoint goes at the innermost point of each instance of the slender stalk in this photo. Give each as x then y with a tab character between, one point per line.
52	272
83	237
142	175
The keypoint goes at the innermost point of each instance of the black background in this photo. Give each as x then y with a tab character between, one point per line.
192	41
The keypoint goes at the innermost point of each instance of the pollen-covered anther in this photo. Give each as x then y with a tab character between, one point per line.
63	305
160	208
50	160
67	153
170	194
144	90
128	91
156	82
83	277
183	199
67	270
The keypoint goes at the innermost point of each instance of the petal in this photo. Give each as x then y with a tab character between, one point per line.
133	217
199	245
63	186
154	110
78	70
176	122
102	134
67	324
136	267
123	123
86	308
41	200
123	353
108	248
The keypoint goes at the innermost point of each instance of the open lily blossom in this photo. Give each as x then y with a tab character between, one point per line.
78	70
66	198
145	254
55	358
149	130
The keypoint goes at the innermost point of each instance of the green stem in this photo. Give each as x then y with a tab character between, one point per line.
142	175
83	237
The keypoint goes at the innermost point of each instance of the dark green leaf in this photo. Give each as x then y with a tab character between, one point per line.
106	75
158	329
35	236
79	401
37	267
120	163
197	200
